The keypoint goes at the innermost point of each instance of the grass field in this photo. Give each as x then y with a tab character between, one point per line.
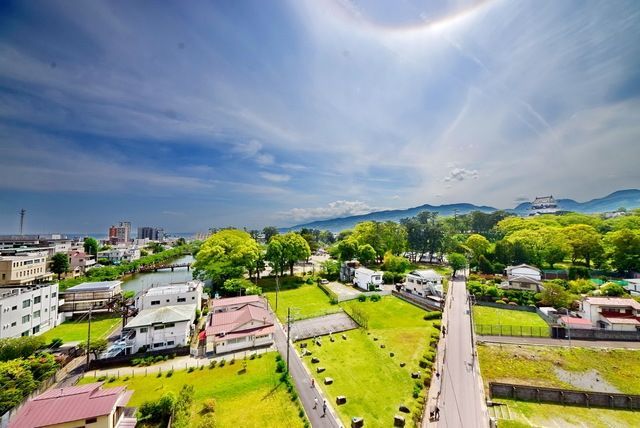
72	331
307	300
525	414
373	381
536	365
253	399
505	322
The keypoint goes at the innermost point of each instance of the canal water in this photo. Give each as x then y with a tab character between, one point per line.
140	281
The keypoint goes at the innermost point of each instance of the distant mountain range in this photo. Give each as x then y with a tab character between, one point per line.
623	198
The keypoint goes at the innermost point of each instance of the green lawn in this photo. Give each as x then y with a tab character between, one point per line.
526	414
373	381
536	365
253	399
306	301
505	322
72	331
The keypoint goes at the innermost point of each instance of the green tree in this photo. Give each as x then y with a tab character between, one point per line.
269	232
624	250
584	241
155	247
226	254
236	286
285	250
457	261
20	347
479	246
16	382
612	289
60	264
383	237
366	254
554	246
347	249
395	264
555	295
96	346
91	246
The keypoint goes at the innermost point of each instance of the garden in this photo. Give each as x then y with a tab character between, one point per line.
76	330
249	390
508	322
373	367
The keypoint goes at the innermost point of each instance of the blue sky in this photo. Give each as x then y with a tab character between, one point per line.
188	115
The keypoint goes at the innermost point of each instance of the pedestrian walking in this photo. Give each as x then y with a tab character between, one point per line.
313	382
324	407
437	413
315	403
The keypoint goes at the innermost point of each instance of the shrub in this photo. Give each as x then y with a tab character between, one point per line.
280	366
209	405
375	297
222	362
437	324
112	379
55	343
101	378
432	315
191	369
232	361
212	364
362	298
172	356
500	301
252	356
170	373
388	277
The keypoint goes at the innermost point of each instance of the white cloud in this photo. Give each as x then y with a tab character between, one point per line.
333	209
461	174
276	178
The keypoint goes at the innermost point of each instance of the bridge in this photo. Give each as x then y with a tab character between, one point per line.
156	268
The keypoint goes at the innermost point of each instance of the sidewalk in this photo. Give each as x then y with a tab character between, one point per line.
178	363
547	341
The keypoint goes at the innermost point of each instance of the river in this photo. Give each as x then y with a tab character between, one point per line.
140	281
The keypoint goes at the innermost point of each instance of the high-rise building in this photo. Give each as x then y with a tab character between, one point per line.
120	234
151	233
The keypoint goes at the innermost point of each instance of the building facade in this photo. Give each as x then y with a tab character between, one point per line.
24	269
97	296
80	262
28	310
150	233
120	234
424	283
523	278
120	255
543	205
611	313
160	328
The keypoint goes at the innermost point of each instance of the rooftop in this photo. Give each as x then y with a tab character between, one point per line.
509	268
613	301
173	288
426	273
230	321
163	315
231	301
574	321
94	286
64	405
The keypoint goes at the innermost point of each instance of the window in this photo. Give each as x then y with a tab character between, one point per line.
182	299
25	333
54	294
158	345
170	342
13	324
158	327
91	421
36	329
143	329
155	302
26	303
3	276
36	299
169	325
26	319
36	314
193	298
14	308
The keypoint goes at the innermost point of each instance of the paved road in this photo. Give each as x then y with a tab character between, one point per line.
302	380
461	400
547	341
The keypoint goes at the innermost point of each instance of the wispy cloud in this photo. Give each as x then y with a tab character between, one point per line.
333	209
276	178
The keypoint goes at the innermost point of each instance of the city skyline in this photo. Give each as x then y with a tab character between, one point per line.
214	114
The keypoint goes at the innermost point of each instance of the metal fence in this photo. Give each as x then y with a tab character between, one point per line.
512	330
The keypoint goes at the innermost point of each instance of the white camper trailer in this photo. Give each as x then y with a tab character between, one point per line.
364	278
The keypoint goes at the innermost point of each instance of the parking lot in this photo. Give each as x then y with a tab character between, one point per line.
321	326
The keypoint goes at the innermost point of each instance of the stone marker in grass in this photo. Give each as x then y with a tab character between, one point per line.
328	381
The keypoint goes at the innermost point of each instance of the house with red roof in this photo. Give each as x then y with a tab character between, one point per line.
238	323
87	405
612	313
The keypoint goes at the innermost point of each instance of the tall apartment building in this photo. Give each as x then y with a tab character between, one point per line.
120	234
27	311
24	269
151	233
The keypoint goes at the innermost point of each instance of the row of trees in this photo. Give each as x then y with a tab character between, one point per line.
226	256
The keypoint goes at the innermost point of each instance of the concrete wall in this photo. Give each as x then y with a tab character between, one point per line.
597	334
563	396
506	306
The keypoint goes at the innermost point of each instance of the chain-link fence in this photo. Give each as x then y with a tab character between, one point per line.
512	330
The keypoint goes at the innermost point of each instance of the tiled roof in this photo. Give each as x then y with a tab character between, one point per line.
230	301
613	301
578	321
76	403
616	320
230	321
164	314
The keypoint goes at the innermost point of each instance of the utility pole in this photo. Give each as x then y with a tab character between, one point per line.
88	338
22	213
288	335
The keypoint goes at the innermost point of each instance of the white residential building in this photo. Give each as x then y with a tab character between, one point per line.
80	262
97	296
160	328
424	283
523	277
612	313
28	310
120	254
185	293
367	279
24	269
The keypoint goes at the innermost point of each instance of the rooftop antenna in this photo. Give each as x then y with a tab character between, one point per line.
22	213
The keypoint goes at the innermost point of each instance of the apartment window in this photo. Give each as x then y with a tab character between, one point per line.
36	314
54	294
143	330
91	421
155	302
158	327
169	325
26	303
3	276
182	299
14	308
37	299
25	333
53	308
26	319
170	342
158	345
36	329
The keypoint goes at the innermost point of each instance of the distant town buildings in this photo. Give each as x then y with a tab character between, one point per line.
150	233
120	234
28	310
543	205
120	254
80	262
24	269
87	405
